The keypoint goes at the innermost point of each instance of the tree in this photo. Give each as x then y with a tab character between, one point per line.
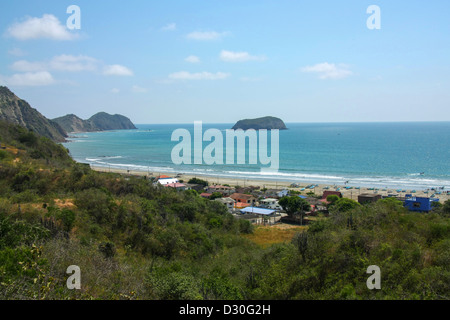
215	195
294	205
345	204
446	207
332	198
198	181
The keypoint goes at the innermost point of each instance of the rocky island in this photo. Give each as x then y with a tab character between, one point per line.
269	123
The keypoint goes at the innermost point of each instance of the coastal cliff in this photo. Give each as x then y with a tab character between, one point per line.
17	111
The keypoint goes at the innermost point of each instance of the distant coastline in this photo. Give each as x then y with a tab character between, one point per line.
278	184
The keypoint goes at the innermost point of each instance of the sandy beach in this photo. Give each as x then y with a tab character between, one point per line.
270	184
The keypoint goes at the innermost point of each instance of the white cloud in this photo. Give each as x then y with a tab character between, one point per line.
184	75
117	70
115	90
169	27
63	62
17	52
32	79
206	36
47	27
137	89
192	59
26	66
230	56
329	70
73	63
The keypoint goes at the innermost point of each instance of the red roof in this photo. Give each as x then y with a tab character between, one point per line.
241	205
205	195
236	196
175	185
163	177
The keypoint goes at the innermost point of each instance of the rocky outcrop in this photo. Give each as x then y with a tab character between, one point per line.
18	111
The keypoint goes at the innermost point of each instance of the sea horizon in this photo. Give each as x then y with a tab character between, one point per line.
296	122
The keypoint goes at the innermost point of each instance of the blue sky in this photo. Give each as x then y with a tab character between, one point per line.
221	61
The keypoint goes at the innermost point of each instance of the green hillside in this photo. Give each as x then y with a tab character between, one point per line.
132	240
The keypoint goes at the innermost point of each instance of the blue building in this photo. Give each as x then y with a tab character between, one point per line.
419	204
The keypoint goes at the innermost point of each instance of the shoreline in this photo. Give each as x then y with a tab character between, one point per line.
279	185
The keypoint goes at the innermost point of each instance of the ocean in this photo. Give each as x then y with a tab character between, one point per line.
384	155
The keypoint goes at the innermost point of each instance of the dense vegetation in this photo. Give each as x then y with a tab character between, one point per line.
136	241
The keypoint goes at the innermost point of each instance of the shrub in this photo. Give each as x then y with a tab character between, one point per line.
332	199
345	205
198	181
97	204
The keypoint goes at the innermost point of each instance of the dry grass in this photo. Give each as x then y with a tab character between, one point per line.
65	204
268	235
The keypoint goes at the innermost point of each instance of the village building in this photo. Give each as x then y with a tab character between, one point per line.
164	181
225	190
270	203
329	193
178	186
368	198
196	187
244	198
419	204
228	202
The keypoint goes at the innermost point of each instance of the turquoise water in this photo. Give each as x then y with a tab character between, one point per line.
403	155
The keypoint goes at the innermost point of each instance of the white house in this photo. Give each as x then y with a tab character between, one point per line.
270	204
228	202
165	181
